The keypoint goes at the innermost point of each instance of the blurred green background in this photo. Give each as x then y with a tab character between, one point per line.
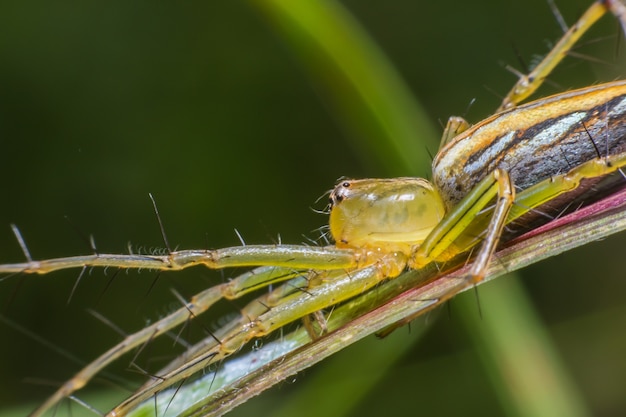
204	105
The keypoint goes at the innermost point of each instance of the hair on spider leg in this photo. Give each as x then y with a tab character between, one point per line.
478	304
266	306
88	239
134	341
475	286
593	142
151	357
16	289
178	338
193	318
161	227
75	286
142	348
469	106
135	368
21	280
558	16
152	284
178	387
598	39
520	60
493	92
590	58
243	242
455	132
527	68
107	322
85	405
155	377
107	286
22	243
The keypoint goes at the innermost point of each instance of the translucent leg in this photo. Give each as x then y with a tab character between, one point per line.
440	245
290	256
240	331
260	318
528	84
552	187
196	306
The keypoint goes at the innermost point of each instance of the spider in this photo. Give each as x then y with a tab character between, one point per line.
491	181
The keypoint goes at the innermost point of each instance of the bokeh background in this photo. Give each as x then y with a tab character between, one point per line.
204	105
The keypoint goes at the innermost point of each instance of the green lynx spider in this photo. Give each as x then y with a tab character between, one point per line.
381	227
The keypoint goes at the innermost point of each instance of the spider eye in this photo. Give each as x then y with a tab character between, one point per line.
340	193
335	198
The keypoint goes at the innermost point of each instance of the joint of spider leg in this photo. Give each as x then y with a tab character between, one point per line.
253	328
311	320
